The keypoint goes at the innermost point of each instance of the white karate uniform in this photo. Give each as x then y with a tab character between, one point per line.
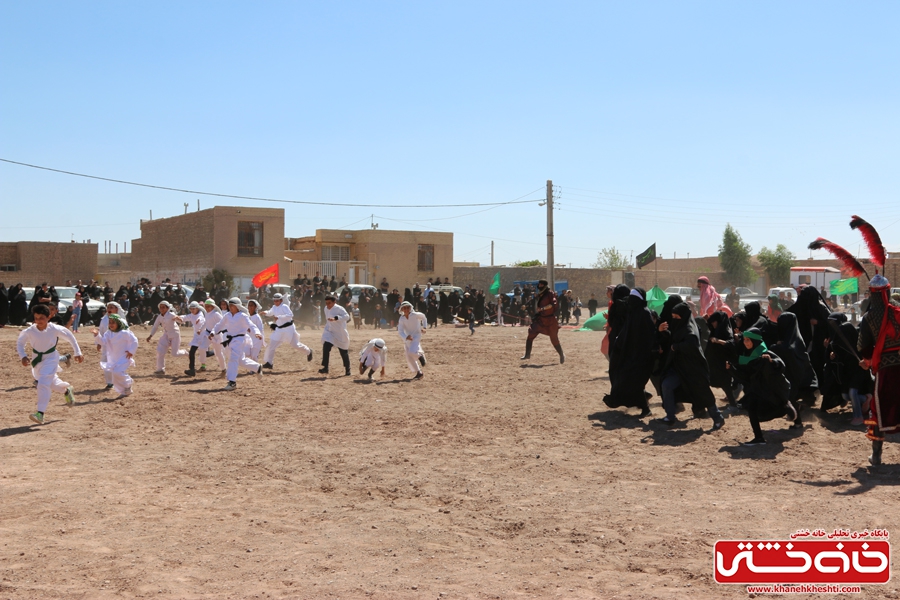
198	322
170	341
283	332
115	344
369	358
103	328
257	344
336	331
412	326
45	371
212	319
237	327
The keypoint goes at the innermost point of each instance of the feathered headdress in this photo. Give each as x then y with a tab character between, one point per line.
872	239
850	263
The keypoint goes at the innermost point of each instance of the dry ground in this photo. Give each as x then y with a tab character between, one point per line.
487	479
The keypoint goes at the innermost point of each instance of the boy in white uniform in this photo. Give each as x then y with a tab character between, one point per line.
411	326
236	326
119	346
43	337
258	342
112	308
335	334
283	330
170	341
198	322
373	356
213	316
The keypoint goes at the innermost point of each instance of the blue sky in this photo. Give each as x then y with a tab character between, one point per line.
657	121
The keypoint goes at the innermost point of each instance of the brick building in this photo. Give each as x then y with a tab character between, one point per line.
368	255
32	263
237	239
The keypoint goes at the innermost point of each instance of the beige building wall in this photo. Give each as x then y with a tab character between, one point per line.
390	254
53	262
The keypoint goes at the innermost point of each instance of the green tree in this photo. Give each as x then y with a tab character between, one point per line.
777	263
734	254
611	259
528	263
215	277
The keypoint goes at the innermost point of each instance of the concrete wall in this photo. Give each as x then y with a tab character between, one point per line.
582	282
187	247
53	262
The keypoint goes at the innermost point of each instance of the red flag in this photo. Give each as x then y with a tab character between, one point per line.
267	275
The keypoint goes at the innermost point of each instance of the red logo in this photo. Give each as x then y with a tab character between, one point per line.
801	561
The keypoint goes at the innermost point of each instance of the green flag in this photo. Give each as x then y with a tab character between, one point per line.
839	287
595	323
495	287
656	298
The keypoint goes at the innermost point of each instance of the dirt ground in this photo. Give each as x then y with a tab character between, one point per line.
489	478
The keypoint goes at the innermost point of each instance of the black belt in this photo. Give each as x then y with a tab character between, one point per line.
288	324
228	339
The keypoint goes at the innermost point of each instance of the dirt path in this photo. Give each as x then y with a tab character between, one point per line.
487	479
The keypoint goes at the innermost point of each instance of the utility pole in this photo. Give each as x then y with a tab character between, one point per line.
550	259
492	253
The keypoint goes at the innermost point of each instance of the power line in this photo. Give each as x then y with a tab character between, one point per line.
237	197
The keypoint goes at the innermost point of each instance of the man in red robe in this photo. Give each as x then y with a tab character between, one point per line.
544	320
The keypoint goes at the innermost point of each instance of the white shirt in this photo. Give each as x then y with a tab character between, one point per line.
116	344
41	341
372	359
336	331
257	320
198	321
412	326
282	313
236	324
167	323
212	319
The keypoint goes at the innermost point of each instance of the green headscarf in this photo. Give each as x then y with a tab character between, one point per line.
757	351
123	324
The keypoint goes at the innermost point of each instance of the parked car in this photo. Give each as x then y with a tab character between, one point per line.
777	290
67	296
684	292
356	288
742	291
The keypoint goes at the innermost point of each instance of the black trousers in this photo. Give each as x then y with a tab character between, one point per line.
326	352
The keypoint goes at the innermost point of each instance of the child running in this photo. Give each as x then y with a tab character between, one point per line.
119	346
170	341
112	308
258	342
213	316
236	326
283	331
373	356
198	321
43	337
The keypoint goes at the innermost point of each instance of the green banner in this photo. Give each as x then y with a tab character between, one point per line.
495	287
840	287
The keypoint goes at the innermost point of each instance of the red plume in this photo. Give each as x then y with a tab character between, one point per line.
872	239
850	263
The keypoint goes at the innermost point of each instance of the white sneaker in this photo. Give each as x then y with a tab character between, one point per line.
259	373
230	387
127	392
160	372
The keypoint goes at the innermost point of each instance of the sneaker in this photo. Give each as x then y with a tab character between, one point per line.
190	372
231	386
324	370
347	373
370	375
109	386
70	396
203	367
259	372
159	372
419	375
67	360
422	360
37	418
267	366
755	442
127	392
309	356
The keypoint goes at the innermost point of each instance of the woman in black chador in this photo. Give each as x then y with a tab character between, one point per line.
618	312
720	350
634	349
4	305
798	370
812	319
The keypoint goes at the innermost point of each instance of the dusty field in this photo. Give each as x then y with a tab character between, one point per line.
487	479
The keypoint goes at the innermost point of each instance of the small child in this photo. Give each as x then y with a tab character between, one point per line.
170	341
357	322
213	316
112	308
44	366
119	346
373	356
77	306
258	343
470	319
379	316
198	321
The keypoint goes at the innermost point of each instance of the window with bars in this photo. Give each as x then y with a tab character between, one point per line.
337	253
250	238
426	257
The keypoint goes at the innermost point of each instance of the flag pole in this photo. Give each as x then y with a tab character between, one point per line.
656	270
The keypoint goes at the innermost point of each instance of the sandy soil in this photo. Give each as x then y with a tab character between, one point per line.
487	479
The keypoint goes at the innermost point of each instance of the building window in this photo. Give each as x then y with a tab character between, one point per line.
250	238
8	268
336	253
426	257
